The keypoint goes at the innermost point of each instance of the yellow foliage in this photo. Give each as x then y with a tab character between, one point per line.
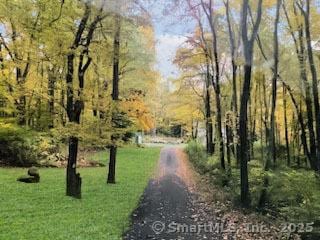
138	111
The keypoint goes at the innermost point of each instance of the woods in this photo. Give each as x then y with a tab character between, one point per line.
263	89
66	81
233	85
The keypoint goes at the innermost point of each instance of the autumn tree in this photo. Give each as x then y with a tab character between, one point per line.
115	97
248	47
75	103
208	9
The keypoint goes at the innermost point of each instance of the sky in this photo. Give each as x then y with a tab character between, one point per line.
170	34
166	47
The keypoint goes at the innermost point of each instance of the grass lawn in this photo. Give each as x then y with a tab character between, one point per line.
42	211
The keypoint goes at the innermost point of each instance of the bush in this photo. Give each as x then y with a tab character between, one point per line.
296	194
198	156
23	148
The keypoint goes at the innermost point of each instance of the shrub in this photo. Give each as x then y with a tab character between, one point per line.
22	147
296	194
198	156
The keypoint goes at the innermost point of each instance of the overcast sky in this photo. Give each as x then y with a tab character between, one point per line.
171	33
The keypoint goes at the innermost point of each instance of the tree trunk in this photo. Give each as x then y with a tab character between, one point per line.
248	48
301	123
218	100
216	82
209	125
261	121
272	148
300	52
229	135
62	104
196	130
22	100
115	97
219	128
250	144
51	88
308	101
286	125
112	165
75	107
243	131
274	83
314	82
73	178
233	61
253	121
235	106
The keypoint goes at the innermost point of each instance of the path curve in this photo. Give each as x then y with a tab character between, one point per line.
168	209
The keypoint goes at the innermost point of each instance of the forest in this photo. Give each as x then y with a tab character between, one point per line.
253	67
59	71
88	113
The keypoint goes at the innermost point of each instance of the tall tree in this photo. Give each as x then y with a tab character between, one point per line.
248	48
204	45
233	48
274	82
299	44
209	125
75	102
115	97
208	9
285	119
306	15
272	135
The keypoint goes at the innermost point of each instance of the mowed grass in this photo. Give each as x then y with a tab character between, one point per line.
42	211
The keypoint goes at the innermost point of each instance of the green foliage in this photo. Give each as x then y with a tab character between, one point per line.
23	147
42	212
198	156
292	194
173	130
296	194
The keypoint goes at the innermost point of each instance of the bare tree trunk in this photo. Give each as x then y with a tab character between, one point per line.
301	123
248	48
274	83
306	14
196	130
272	148
216	81
207	95
243	132
232	40
261	121
115	97
253	120
209	126
73	179
286	125
62	104
229	135
300	52
51	96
